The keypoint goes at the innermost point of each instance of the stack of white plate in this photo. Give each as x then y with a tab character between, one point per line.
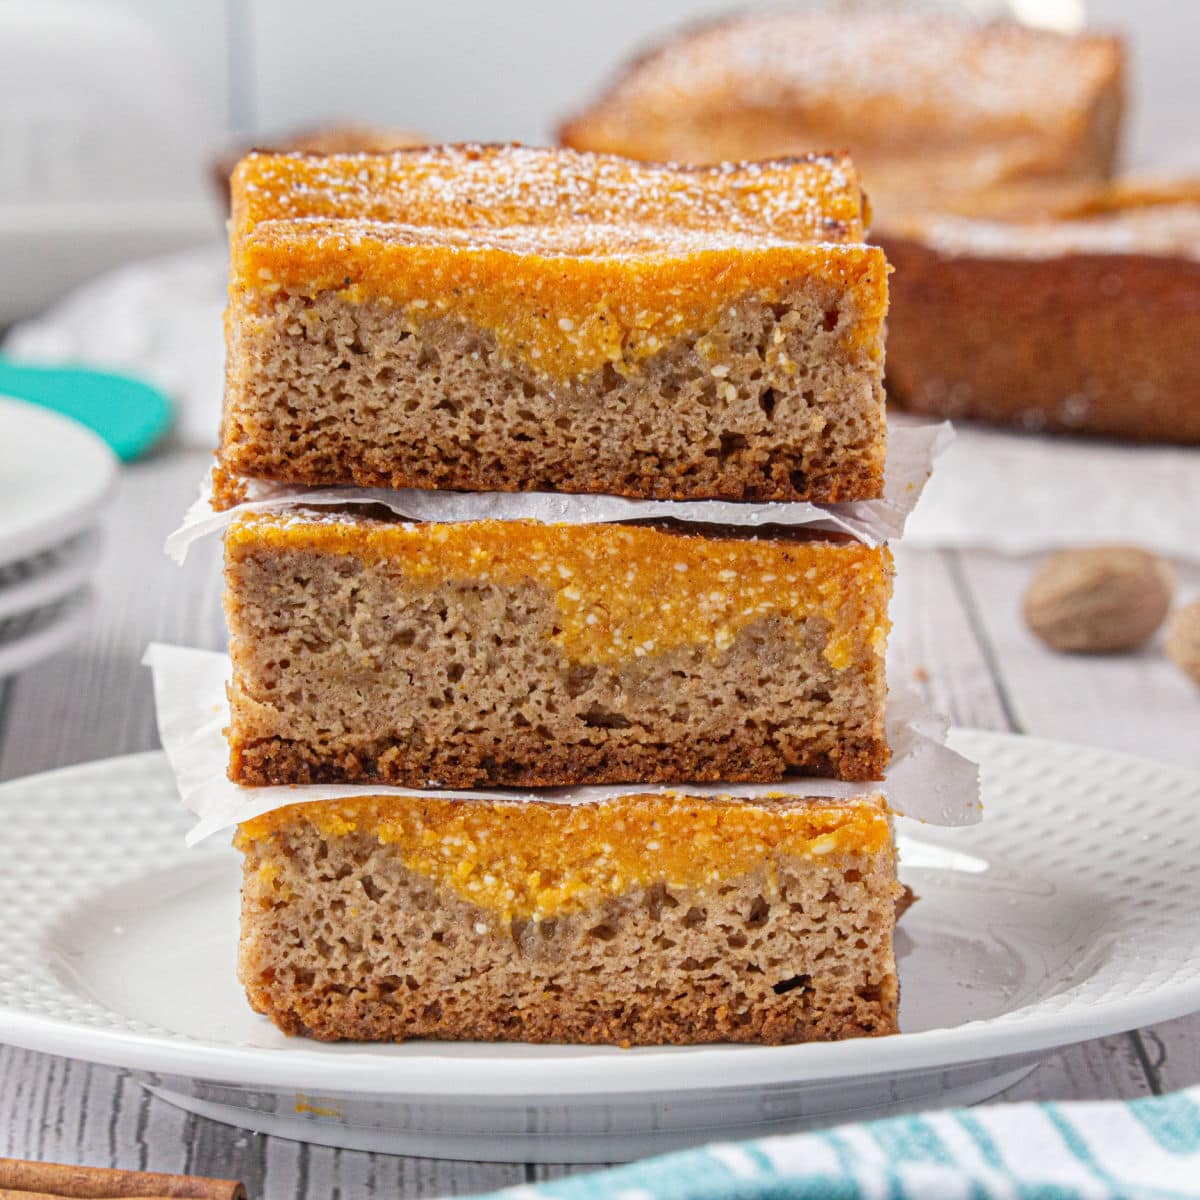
55	479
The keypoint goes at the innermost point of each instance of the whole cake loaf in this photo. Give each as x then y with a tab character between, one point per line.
643	920
516	653
939	112
511	319
1088	322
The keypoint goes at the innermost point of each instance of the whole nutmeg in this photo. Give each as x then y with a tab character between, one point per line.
1183	639
1098	600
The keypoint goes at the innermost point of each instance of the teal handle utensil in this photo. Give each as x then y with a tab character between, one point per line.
131	416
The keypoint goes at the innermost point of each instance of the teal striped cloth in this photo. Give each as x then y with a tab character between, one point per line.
1079	1151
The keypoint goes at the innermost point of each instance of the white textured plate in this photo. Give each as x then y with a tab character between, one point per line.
29	637
32	583
1068	914
55	475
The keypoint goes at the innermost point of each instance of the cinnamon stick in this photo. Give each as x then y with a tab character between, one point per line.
9	1194
52	1181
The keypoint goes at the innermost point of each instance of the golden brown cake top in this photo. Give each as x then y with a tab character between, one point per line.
1156	220
813	198
343	138
537	860
871	77
565	239
623	591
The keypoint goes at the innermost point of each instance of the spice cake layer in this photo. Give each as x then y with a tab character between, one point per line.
938	111
1088	322
510	319
517	653
644	920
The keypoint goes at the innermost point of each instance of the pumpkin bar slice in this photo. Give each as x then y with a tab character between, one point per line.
513	319
517	653
1083	321
649	919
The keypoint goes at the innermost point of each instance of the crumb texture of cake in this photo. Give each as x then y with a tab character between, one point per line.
1086	324
515	653
645	920
938	111
506	319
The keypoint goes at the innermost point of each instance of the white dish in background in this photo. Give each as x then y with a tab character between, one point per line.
30	637
1068	914
55	476
33	583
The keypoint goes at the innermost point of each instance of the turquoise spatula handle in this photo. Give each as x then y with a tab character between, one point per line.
131	416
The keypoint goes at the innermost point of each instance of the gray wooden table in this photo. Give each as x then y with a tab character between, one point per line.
957	634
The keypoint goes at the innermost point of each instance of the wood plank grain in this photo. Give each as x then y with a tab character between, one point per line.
300	1171
1172	1053
58	1110
1106	1069
1139	703
933	645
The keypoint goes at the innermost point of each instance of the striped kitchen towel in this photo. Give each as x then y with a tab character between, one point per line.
1079	1151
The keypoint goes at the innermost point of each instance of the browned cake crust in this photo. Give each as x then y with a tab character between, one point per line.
939	112
511	654
533	760
1089	325
508	319
342	940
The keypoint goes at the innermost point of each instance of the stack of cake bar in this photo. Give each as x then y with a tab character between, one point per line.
508	320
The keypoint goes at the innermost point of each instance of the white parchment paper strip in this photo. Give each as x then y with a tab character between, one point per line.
1016	493
911	452
926	780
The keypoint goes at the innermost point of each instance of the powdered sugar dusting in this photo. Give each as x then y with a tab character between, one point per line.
899	73
490	188
1169	231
